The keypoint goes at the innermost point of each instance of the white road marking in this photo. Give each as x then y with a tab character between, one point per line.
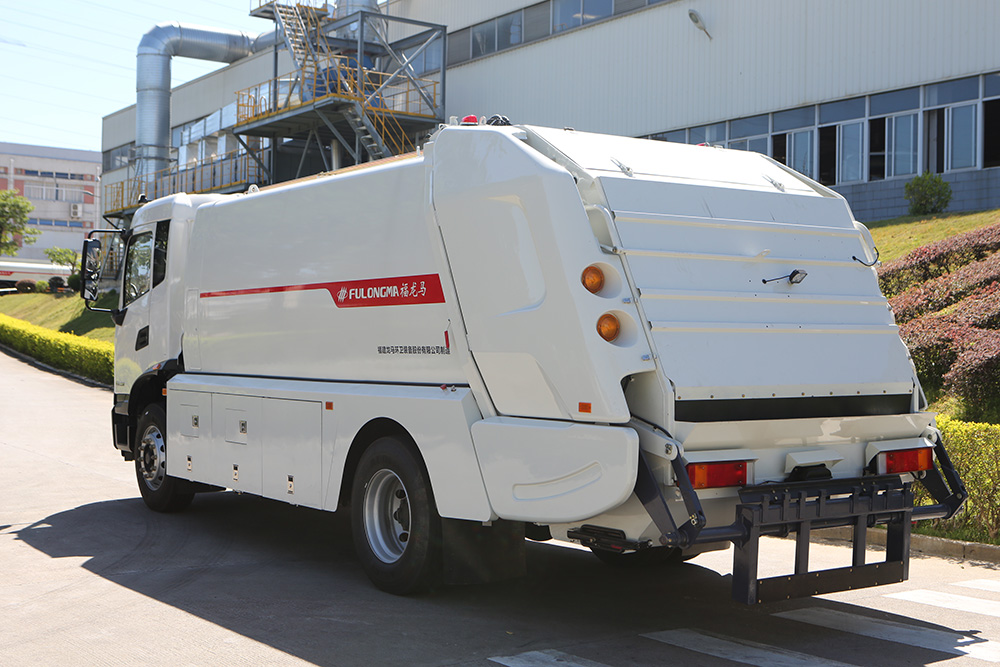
990	585
546	658
944	641
739	650
949	601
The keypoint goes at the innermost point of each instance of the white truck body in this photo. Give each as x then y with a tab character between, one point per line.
439	296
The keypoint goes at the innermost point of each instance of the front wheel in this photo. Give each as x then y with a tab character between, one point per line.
397	531
160	492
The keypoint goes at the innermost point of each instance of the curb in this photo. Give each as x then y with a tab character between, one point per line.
31	361
923	545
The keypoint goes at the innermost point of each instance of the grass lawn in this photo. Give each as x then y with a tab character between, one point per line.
898	236
65	313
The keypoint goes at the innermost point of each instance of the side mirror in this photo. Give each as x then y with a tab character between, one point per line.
90	269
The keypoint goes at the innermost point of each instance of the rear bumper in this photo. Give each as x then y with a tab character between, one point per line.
801	507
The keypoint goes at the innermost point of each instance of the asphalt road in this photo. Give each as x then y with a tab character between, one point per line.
90	577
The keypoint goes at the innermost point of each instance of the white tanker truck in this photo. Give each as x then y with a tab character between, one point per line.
648	348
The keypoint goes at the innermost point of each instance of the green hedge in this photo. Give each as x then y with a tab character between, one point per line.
90	358
975	451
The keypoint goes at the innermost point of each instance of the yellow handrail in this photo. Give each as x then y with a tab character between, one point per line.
208	175
334	77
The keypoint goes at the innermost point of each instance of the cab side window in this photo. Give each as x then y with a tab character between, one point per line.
138	267
160	252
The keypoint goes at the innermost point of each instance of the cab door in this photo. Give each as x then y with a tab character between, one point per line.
137	347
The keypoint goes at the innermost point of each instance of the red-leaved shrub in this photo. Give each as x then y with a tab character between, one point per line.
975	375
936	259
934	343
946	290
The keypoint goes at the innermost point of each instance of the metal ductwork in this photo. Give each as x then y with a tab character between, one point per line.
345	8
348	7
152	79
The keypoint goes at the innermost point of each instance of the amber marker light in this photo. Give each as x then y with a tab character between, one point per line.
716	475
593	279
608	327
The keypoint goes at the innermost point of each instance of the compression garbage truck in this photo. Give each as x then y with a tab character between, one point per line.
647	348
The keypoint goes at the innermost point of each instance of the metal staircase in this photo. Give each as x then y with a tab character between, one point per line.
294	29
365	131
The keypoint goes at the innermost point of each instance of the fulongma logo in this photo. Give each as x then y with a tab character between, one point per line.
342	294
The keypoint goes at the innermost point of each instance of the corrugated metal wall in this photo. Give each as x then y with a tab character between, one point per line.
653	70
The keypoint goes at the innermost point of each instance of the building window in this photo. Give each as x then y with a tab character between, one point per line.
565	15
991	133
484	38
898	100
510	29
840	153
712	135
800	148
841	141
677	136
961	122
537	21
594	10
850	148
459	46
116	158
901	135
742	131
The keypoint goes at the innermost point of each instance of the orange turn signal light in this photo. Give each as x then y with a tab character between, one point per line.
608	327
593	279
906	460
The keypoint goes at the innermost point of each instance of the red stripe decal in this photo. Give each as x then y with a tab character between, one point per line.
399	291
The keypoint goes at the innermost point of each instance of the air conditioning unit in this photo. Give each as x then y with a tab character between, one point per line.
75	211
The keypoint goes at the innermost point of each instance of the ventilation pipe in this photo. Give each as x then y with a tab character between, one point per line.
346	8
152	79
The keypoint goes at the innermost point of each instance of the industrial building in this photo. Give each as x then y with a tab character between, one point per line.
62	184
860	96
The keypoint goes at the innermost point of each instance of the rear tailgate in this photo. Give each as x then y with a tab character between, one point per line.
720	331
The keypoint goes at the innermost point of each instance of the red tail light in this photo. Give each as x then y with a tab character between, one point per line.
906	460
715	475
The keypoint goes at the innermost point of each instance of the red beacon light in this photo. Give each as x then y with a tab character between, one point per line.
470	120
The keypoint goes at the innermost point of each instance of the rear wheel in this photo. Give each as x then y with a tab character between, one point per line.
397	531
160	492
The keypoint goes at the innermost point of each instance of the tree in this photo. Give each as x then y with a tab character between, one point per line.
64	257
14	211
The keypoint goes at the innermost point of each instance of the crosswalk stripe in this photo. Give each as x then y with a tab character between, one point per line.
990	585
545	658
949	601
955	643
739	650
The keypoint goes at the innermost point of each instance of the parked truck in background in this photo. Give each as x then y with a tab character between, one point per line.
651	349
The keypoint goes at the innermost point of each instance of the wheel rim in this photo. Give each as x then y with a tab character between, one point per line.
152	457
387	516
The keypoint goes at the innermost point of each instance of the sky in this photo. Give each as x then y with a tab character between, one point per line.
64	64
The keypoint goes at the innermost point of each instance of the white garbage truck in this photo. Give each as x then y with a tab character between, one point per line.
647	348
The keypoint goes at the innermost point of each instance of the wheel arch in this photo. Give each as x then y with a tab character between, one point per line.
148	388
374	429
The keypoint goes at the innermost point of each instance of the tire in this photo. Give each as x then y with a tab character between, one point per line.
649	557
160	492
396	527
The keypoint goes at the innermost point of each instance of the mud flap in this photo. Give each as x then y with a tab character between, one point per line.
478	554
